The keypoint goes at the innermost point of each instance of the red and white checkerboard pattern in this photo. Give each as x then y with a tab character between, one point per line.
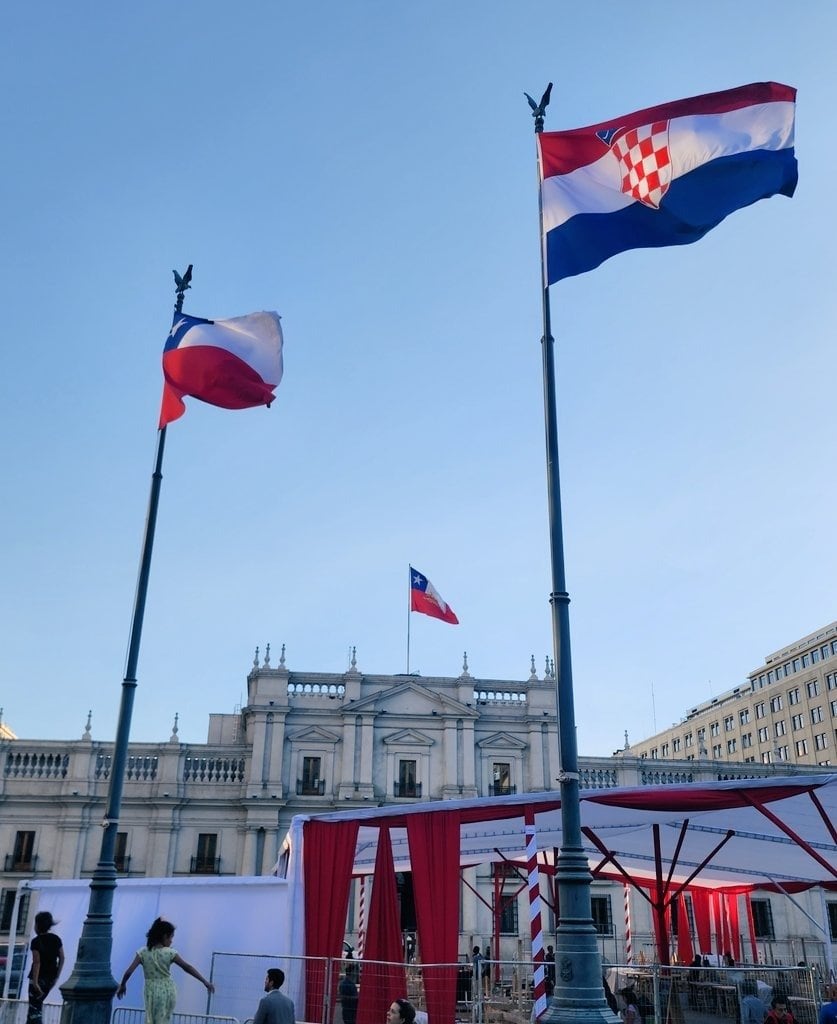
645	162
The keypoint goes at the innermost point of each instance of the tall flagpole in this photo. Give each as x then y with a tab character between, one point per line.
409	609
578	978
88	992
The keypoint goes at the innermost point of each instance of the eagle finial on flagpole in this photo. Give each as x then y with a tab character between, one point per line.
539	109
182	284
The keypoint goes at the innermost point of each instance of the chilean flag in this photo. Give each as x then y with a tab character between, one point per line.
234	364
662	176
425	598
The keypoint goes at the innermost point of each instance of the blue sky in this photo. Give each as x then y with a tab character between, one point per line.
367	169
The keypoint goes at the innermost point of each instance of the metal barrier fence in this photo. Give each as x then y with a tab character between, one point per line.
239	981
131	1015
663	995
13	1011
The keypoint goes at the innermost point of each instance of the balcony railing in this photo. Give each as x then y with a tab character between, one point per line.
501	789
310	787
406	789
21	864
205	866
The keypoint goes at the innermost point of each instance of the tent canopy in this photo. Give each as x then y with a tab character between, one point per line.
735	834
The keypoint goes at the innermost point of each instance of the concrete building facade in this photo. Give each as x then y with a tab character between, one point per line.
307	742
786	713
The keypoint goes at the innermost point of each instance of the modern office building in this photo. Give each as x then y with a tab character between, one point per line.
786	713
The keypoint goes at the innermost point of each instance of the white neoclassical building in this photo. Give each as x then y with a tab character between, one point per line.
308	742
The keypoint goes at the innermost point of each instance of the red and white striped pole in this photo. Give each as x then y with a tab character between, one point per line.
361	918
535	914
629	955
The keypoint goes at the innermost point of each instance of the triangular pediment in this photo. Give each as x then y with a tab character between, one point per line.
409	738
411	697
313	734
501	741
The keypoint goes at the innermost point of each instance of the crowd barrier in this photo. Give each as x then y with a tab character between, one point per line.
503	995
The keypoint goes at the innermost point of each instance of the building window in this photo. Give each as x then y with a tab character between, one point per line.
508	897
716	751
502	784
205	862
834	709
729	723
793	695
730	746
776	703
602	916
746	740
770	676
765	757
797	722
715	729
760	710
311	784
815	656
22	857
407	785
653	753
120	860
779	728
665	750
816	715
764	734
762	919
813	688
821	741
687	740
7	903
782	753
832	920
796	664
831	680
744	716
675	745
801	748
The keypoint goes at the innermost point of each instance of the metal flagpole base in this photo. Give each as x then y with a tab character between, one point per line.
88	992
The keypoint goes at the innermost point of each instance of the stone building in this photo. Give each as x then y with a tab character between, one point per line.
310	742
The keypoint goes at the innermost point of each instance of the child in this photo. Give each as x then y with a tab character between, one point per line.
156	959
47	961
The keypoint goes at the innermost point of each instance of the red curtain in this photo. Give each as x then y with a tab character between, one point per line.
700	903
382	974
754	949
721	924
328	853
734	927
685	953
434	860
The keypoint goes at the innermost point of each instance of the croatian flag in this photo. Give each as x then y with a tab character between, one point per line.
234	364
425	598
662	176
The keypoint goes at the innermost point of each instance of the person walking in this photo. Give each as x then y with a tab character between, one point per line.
47	961
156	958
275	1007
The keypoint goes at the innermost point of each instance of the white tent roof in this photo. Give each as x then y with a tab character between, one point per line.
793	842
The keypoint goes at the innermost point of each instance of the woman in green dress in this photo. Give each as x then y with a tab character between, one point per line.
156	958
